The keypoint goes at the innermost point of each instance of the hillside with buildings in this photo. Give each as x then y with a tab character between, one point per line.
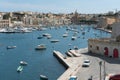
27	19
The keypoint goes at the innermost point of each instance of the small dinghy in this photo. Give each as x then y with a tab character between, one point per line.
43	77
23	63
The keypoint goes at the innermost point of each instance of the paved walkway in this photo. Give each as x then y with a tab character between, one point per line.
74	63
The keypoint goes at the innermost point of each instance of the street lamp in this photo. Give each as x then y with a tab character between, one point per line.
104	71
100	63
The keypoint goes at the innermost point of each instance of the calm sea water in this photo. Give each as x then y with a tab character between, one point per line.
39	62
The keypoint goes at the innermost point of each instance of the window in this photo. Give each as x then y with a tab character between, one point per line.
97	48
90	46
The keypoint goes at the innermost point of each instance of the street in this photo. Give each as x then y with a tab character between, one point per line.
111	66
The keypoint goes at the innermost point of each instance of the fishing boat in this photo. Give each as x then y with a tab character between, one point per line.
43	77
20	68
11	47
40	47
23	63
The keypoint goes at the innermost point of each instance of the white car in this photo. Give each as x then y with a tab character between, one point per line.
86	63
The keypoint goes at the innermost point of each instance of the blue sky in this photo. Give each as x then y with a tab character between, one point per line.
60	6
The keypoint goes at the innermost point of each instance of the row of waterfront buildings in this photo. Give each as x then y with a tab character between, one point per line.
11	19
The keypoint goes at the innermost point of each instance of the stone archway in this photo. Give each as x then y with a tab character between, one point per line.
115	53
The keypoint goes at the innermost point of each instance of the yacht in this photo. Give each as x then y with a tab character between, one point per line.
40	47
20	29
2	30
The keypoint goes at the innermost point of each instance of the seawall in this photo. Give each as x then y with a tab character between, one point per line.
73	64
61	58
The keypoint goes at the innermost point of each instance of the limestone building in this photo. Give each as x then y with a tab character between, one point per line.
107	46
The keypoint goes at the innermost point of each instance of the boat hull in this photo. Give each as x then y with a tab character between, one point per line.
20	68
42	77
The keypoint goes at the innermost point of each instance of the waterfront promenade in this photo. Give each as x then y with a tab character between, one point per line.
73	64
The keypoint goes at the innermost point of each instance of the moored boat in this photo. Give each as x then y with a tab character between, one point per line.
65	35
40	47
46	34
11	47
40	37
54	40
23	63
49	36
73	38
43	77
20	68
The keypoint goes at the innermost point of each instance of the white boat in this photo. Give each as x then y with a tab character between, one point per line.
73	38
49	37
42	29
65	35
54	40
11	47
41	47
43	77
20	29
23	63
20	68
46	34
2	30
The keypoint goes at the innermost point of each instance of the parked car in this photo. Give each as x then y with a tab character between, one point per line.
73	78
86	63
115	77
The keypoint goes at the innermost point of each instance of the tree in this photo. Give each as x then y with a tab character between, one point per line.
6	16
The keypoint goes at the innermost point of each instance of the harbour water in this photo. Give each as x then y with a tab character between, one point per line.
40	62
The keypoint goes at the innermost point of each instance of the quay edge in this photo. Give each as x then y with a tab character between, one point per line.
73	64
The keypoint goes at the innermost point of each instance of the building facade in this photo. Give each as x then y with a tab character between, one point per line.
107	46
5	23
105	21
